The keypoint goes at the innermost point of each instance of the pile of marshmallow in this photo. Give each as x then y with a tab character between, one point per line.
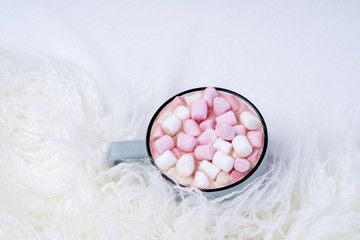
208	141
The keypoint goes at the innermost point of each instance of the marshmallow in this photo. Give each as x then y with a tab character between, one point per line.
182	112
225	131
242	165
222	179
223	161
228	117
165	160
191	127
164	143
240	129
254	157
186	142
204	152
241	146
209	94
193	97
171	125
234	105
255	138
156	132
210	169
173	174
220	106
242	107
236	176
207	137
188	181
185	165
178	101
222	145
199	110
249	120
201	180
207	124
176	152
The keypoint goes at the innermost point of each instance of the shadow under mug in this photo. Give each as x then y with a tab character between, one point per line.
140	149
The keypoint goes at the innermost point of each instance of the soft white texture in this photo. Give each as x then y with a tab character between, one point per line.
201	180
223	161
249	120
166	160
222	145
55	183
241	146
185	165
210	169
222	179
182	112
171	125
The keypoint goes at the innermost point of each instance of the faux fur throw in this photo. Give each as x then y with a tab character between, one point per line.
55	182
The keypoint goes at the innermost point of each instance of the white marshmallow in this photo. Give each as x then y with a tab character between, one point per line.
222	145
249	120
171	125
188	181
201	180
222	179
182	112
165	160
185	166
173	174
223	161
242	146
210	169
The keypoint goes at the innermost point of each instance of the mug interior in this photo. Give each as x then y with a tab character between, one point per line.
252	171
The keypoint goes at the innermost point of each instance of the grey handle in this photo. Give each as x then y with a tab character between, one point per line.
126	150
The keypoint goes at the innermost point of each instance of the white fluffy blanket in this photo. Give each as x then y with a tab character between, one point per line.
55	184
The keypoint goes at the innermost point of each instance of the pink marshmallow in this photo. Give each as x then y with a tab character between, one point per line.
255	138
209	94
207	137
176	102
236	176
234	105
225	131
155	155
242	165
220	106
240	129
207	124
242	107
157	132
191	127
164	143
199	110
204	152
186	142
228	117
176	152
254	157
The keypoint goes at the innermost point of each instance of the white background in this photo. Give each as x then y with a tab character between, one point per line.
297	61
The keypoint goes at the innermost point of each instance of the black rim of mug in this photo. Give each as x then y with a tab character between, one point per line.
200	89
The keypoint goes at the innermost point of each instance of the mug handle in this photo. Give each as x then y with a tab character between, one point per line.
126	150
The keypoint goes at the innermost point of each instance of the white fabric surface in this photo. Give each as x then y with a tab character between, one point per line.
298	62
